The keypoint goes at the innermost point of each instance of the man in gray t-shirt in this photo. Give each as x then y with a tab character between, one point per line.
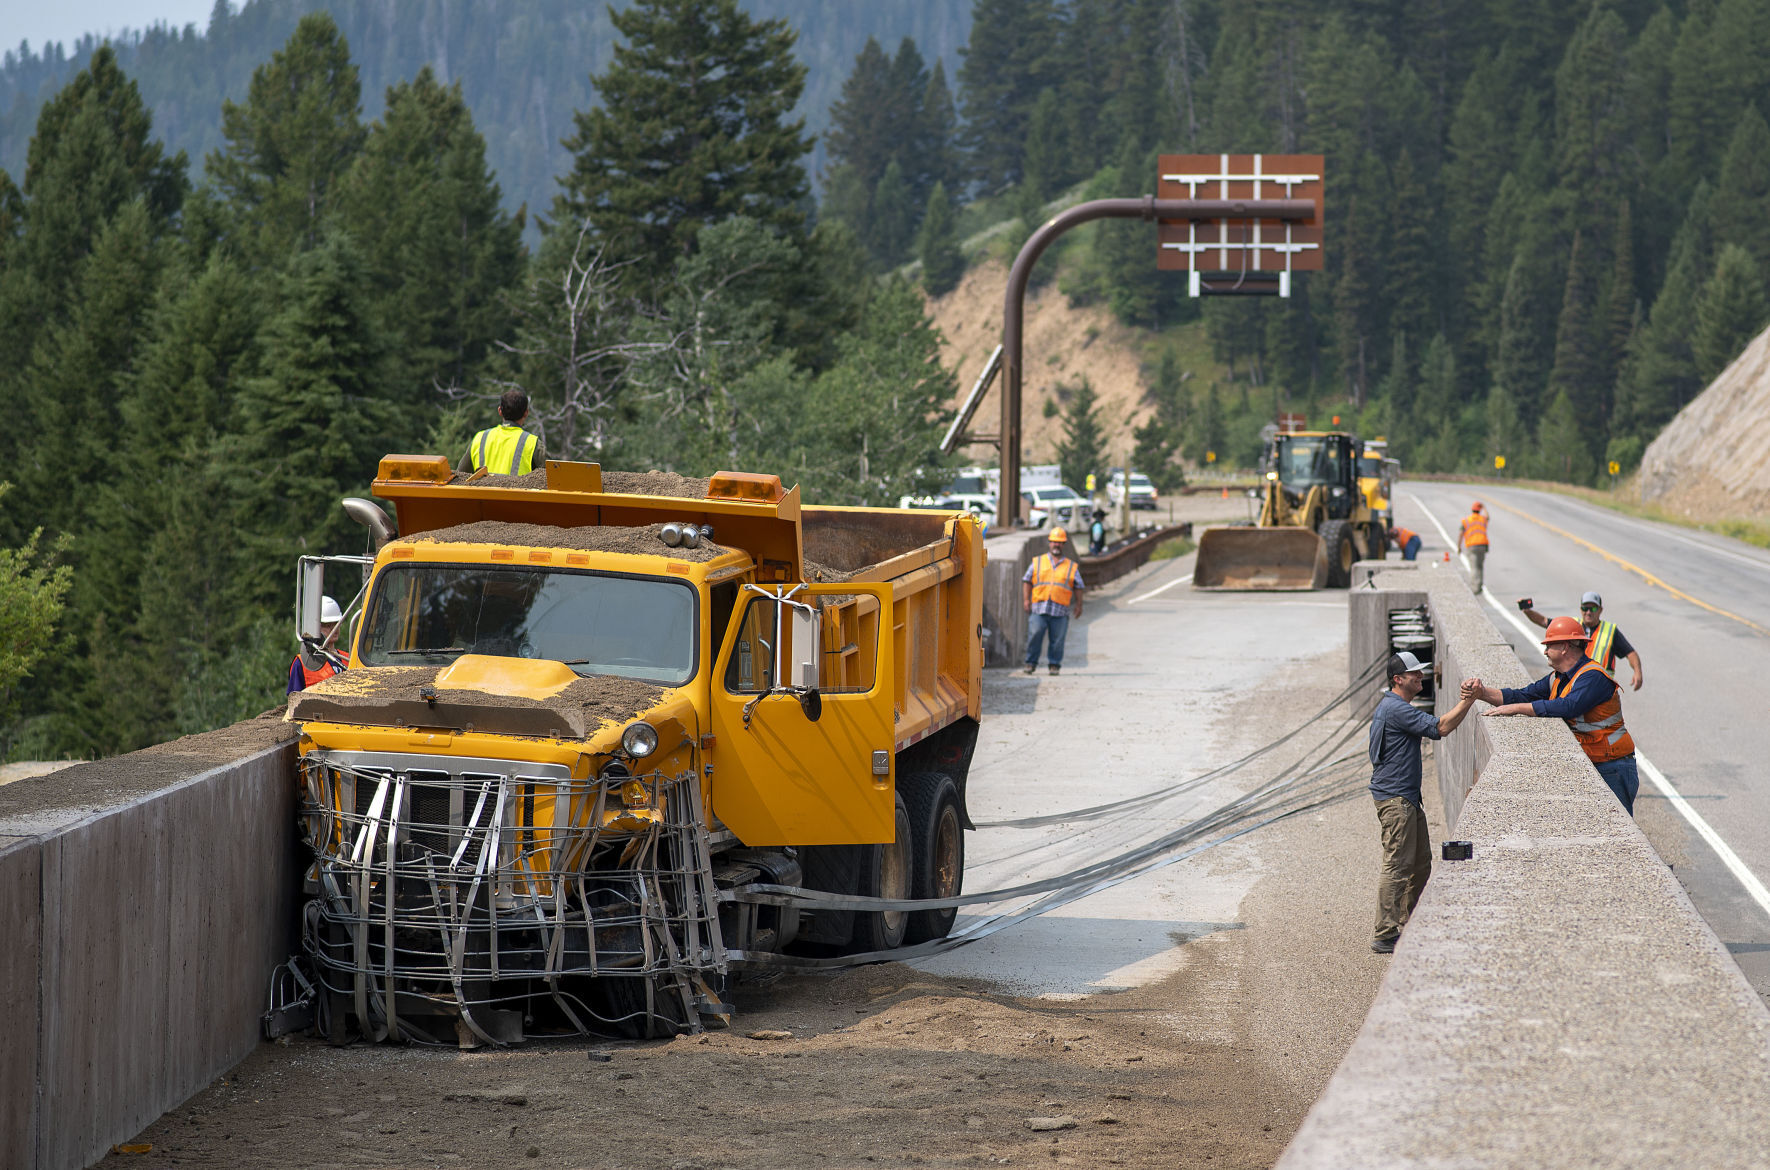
1397	726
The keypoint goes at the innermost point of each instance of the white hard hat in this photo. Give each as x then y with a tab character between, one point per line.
329	611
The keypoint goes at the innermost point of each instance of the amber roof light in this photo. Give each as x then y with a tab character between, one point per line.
747	486
415	468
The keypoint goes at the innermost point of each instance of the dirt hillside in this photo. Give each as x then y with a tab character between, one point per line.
1713	459
1061	346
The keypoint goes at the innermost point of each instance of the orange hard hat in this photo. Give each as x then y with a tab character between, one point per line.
1565	629
1058	536
1475	507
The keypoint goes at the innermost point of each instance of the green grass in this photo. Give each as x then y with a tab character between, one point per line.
1177	546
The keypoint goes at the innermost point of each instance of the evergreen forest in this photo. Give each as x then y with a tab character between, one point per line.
219	306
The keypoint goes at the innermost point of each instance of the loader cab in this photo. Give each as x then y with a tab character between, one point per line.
1306	460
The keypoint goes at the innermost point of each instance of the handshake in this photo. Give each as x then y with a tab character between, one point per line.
1474	688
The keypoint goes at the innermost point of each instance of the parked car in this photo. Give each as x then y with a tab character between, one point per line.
1057	505
1143	494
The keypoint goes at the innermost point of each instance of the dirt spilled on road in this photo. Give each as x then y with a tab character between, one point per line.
884	1067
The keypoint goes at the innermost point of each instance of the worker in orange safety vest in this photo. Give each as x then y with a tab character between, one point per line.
1586	696
1472	543
1051	593
1407	540
318	661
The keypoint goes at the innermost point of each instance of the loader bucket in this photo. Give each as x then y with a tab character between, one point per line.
1260	558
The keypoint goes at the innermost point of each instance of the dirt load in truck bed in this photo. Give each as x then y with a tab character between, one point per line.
643	540
626	483
392	696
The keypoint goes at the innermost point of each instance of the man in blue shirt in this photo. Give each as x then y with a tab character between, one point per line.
1397	726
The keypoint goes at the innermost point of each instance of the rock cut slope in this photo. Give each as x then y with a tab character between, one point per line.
1713	459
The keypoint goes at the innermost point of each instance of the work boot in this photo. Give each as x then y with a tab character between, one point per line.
1383	946
1029	668
1055	668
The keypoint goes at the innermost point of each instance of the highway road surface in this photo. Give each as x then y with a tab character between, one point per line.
1697	608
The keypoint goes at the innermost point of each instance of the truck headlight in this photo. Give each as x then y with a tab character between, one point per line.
639	740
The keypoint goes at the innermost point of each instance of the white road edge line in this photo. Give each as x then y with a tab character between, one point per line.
1160	589
1754	888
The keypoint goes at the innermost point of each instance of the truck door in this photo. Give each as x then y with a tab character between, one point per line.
778	777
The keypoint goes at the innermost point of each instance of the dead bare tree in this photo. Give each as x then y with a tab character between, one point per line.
573	351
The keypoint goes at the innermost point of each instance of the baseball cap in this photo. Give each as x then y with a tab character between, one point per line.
1405	661
1592	599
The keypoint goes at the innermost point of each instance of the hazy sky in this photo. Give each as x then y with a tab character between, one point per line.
42	21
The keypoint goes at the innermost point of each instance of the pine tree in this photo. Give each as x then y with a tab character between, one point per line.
90	157
1695	120
440	252
1730	312
937	244
1010	58
1578	372
1409	263
940	122
1082	450
1662	370
1743	190
893	220
291	142
692	129
307	430
1592	126
865	121
1561	447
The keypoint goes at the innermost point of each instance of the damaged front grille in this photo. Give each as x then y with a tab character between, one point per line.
478	899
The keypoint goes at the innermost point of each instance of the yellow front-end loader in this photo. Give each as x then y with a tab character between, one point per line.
1315	522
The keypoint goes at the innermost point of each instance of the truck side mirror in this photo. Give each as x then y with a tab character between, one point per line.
812	703
310	589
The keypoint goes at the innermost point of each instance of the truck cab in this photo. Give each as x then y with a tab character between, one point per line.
588	737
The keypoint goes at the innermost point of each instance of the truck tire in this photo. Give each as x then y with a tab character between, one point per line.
938	834
885	873
1336	539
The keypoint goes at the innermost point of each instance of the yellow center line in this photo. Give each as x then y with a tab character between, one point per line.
1636	569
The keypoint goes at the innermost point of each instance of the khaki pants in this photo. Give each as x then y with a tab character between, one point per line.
1407	863
1476	555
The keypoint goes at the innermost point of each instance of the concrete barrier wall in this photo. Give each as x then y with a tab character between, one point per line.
1556	1001
144	902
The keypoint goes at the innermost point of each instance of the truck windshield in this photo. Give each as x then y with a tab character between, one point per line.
1303	463
597	623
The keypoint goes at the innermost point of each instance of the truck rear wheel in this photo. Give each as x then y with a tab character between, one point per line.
886	873
1336	538
938	835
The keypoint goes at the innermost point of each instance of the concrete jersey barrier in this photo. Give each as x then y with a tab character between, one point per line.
145	901
1556	1001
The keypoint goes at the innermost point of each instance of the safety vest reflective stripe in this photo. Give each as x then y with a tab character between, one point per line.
1600	648
508	449
1590	728
1051	583
1474	529
1405	534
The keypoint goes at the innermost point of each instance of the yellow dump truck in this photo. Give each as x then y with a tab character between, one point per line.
583	708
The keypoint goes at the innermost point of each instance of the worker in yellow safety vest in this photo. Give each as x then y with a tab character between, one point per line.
1051	593
1584	694
1604	642
506	449
1472	543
